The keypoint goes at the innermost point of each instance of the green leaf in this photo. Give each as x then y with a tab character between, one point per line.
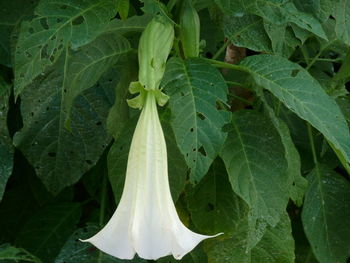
60	156
46	231
297	183
6	148
276	246
247	31
326	215
235	7
282	12
86	66
321	9
275	12
254	158
18	205
129	25
302	94
342	17
282	39
195	88
118	115
57	24
13	254
213	205
12	12
75	251
118	157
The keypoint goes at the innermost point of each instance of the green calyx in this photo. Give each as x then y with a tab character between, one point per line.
139	100
155	44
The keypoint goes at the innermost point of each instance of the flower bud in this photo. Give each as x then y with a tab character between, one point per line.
189	30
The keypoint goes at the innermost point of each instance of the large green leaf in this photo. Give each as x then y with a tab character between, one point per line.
302	94
213	205
57	23
275	12
6	149
46	231
17	206
118	157
297	183
118	115
130	25
322	9
247	31
326	215
254	158
276	246
195	88
282	39
342	16
12	11
282	12
60	156
75	251
9	254
86	66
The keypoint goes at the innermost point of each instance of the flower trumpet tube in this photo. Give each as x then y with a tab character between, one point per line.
145	221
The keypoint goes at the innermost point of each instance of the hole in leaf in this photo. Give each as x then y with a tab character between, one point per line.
294	72
43	52
52	154
202	151
191	130
43	23
78	21
194	149
32	113
182	94
53	38
209	55
210	207
28	55
200	115
88	162
59	20
47	108
98	123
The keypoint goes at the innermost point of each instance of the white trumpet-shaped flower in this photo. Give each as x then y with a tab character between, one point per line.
146	221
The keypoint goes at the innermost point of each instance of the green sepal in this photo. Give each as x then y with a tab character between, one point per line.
139	100
161	97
